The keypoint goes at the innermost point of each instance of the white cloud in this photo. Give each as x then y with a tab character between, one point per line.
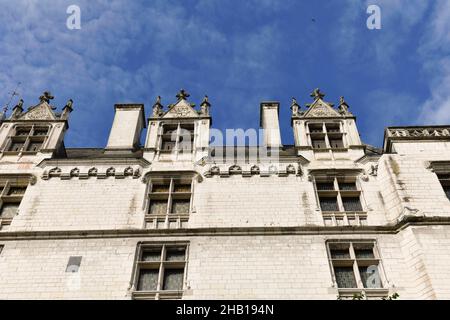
125	51
434	50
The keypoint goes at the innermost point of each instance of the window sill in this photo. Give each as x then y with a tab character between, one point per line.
14	153
5	221
369	293
330	149
157	295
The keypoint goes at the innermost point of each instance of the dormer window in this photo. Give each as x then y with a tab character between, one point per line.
177	137
27	139
326	135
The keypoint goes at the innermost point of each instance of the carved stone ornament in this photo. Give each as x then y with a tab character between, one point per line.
181	111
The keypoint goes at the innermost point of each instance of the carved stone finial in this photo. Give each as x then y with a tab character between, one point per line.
204	106
294	107
316	94
182	95
157	107
69	104
46	96
19	105
343	106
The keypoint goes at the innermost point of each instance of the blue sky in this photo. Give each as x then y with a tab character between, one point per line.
239	53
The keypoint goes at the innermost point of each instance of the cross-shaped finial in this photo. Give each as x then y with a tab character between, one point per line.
182	95
46	96
316	94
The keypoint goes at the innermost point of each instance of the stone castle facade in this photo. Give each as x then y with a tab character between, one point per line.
326	218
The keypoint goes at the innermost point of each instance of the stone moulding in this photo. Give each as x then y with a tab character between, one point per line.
118	173
248	170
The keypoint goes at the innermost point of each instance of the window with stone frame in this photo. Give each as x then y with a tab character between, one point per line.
326	135
27	138
12	190
444	179
356	268
169	201
339	199
177	137
160	271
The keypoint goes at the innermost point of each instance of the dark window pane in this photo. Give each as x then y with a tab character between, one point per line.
16	191
336	143
175	254
9	210
151	255
182	187
328	204
325	185
180	206
345	277
333	127
352	204
40	131
370	277
173	279
318	143
340	253
363	252
16	146
34	146
315	128
347	186
158	207
148	279
22	131
168	146
160	188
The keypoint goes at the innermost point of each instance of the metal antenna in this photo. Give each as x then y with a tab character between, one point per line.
13	94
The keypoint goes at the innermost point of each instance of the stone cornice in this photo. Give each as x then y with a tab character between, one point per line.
226	231
416	133
93	161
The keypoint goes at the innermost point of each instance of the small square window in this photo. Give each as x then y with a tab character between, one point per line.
74	264
161	275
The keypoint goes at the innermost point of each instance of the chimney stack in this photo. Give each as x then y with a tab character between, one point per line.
129	120
269	122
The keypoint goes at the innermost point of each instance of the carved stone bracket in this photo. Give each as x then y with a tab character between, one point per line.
118	173
250	170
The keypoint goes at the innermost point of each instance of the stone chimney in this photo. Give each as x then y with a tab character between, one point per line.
269	122
129	120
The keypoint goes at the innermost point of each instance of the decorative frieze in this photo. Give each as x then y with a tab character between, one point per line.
118	173
419	132
248	170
